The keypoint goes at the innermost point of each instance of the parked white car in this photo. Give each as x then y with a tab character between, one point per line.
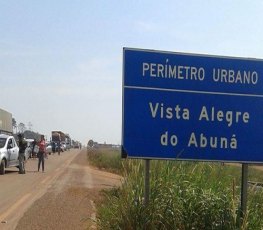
63	146
48	148
8	153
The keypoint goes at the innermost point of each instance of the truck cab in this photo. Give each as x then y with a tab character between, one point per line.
8	153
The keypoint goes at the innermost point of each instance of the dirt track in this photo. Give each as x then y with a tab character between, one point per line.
69	203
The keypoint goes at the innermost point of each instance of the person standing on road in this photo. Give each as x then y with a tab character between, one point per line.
53	144
59	147
41	153
34	147
22	144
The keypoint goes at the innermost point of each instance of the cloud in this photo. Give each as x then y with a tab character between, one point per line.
97	66
18	50
19	54
146	27
100	73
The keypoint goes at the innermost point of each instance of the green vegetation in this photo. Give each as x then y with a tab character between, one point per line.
183	195
105	158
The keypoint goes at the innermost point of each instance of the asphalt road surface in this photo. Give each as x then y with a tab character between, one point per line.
63	197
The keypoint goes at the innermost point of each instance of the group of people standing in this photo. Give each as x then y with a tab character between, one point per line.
22	144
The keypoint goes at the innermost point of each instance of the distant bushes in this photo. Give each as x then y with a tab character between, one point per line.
183	195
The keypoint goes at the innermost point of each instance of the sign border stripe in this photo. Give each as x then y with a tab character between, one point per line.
193	91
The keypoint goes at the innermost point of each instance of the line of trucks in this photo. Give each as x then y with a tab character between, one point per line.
9	150
63	138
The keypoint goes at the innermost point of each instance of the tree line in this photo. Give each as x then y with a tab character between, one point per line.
26	130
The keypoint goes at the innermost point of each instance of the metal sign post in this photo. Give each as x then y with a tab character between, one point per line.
147	182
244	182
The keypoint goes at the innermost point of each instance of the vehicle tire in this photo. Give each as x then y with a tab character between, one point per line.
2	167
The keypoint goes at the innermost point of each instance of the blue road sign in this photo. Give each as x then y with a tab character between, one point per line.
192	107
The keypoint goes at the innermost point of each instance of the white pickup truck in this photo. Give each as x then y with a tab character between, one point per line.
8	153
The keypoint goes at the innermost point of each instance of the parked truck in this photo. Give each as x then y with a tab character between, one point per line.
6	126
68	141
59	138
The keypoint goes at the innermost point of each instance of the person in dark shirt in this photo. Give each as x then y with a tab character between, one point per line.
53	144
59	147
22	144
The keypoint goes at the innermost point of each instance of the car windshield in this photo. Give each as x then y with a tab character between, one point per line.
2	142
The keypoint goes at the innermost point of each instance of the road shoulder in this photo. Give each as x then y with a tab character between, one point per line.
70	201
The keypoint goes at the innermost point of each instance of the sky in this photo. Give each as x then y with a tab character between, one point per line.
61	61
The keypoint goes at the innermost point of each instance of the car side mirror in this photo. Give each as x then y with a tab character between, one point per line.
9	146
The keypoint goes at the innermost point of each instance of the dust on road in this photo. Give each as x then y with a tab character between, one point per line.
70	201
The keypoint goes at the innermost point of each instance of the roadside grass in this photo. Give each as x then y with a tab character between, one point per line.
106	159
183	195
